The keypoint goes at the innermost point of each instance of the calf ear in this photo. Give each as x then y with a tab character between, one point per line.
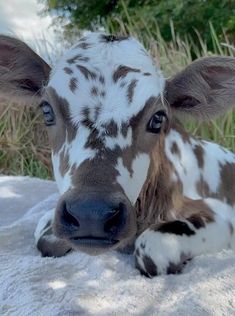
22	71
204	89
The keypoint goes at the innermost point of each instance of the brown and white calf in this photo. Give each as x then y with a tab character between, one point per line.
130	177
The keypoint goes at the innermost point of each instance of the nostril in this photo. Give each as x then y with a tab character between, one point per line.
69	218
115	221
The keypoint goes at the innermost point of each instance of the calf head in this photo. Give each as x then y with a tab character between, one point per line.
107	109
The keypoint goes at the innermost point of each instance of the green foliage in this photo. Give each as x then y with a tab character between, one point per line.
189	17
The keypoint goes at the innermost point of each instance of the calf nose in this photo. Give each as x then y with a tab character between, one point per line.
93	219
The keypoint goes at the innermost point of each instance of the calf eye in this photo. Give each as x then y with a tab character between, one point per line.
155	123
48	113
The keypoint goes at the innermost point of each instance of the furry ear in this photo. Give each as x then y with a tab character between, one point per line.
204	89
22	71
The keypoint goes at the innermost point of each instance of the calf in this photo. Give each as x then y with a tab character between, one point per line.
130	177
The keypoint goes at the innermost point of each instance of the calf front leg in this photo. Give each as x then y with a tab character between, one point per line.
46	242
206	228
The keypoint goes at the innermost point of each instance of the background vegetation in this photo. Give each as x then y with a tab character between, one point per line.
189	17
175	32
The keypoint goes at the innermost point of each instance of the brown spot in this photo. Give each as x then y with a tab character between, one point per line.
175	268
176	227
156	197
147	74
124	129
112	38
73	84
86	121
131	89
227	188
150	266
86	72
203	188
195	211
151	101
94	91
71	132
101	79
94	141
199	153
102	94
111	129
76	58
57	134
122	71
83	45
68	70
197	221
175	149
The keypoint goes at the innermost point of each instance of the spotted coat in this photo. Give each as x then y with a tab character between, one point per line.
114	133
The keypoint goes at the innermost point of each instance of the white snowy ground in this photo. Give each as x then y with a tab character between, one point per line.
106	285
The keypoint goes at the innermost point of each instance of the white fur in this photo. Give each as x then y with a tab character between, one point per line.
63	182
187	166
77	151
105	58
77	154
133	183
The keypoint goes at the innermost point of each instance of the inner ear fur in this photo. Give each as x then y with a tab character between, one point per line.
22	71
204	89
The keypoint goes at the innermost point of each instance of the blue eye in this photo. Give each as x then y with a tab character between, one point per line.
156	122
48	113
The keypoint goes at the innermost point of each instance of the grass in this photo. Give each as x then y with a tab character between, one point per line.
24	145
24	148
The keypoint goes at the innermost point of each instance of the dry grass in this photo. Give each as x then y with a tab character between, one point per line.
23	142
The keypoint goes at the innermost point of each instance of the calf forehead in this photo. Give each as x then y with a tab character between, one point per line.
106	79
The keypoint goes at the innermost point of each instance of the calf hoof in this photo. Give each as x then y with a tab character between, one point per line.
51	246
47	243
158	253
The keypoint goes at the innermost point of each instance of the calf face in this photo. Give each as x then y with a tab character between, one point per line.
99	100
107	110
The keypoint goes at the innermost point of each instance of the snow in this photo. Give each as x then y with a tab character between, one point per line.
108	284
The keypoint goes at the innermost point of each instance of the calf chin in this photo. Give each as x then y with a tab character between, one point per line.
125	246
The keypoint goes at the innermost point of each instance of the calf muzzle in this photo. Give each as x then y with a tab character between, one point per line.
96	223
